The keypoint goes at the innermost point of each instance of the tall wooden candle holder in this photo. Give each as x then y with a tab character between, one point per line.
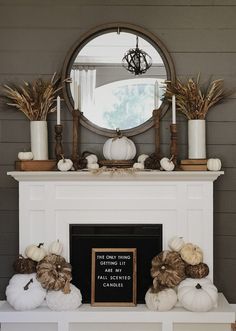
173	144
58	137
156	117
75	140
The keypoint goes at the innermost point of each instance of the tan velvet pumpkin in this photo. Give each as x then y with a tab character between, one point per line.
54	273
168	270
191	254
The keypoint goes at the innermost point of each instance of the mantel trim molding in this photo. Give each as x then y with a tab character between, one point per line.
115	176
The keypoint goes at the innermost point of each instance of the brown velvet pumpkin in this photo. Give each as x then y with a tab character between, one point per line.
24	265
54	273
168	269
152	162
200	270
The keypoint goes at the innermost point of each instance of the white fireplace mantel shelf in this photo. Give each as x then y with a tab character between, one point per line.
129	175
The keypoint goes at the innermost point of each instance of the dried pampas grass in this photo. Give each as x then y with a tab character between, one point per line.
194	100
36	100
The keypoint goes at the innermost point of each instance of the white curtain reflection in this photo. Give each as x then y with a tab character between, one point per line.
83	88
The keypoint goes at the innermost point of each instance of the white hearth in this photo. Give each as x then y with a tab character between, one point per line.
181	201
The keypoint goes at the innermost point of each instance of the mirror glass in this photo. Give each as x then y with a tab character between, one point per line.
109	95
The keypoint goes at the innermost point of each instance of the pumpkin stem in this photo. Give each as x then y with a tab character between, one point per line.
63	158
172	158
26	287
198	286
39	245
119	134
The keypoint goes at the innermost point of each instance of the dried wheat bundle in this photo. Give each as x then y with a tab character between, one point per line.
194	100
36	100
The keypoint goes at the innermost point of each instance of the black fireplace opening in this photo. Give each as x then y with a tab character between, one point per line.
146	238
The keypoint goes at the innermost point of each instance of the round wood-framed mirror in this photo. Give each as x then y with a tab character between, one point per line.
122	100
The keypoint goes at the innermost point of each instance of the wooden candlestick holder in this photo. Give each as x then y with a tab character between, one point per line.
173	144
58	137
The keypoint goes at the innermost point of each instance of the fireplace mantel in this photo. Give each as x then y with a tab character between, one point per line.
181	201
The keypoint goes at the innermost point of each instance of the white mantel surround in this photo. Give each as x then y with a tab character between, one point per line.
181	201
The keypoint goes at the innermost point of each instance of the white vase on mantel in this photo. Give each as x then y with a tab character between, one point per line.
197	139
39	139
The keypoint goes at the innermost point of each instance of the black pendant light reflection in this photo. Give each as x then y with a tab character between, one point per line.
136	60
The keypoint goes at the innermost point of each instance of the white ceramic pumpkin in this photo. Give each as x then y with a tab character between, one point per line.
119	148
55	247
138	165
24	292
176	243
191	254
57	300
161	301
64	164
142	158
197	294
214	164
167	164
25	156
92	158
35	253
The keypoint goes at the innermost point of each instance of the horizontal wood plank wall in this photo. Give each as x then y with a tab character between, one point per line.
200	34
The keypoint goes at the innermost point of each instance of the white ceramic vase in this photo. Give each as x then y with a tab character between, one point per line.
39	139
196	139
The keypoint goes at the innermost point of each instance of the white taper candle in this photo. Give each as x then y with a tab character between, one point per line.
173	109
58	110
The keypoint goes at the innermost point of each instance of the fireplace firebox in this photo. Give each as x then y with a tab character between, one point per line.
146	238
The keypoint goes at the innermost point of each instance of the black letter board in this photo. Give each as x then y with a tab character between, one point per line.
113	277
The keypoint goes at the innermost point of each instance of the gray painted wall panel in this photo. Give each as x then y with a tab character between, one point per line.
200	34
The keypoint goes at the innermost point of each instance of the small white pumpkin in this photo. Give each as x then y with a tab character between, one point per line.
161	301
214	164
25	156
55	247
119	148
142	158
57	300
92	166
138	165
191	254
92	158
167	164
35	253
64	164
176	243
197	294
24	292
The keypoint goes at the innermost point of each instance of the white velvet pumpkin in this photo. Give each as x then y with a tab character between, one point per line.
139	166
55	247
25	156
176	243
197	294
142	158
64	164
35	253
119	149
24	292
214	164
191	254
92	158
161	301
57	300
167	164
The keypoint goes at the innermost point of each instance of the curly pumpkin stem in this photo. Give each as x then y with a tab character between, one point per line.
39	245
26	287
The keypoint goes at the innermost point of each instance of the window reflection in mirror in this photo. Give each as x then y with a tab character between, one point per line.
109	95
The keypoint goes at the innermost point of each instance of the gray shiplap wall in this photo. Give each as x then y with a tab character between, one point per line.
200	35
